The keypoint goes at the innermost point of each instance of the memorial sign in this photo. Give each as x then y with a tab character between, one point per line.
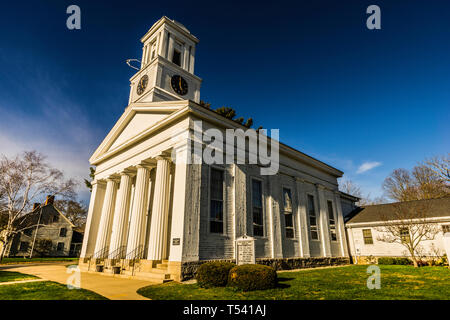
245	250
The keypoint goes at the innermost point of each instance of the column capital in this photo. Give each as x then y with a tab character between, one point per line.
164	155
114	178
95	181
302	180
129	171
320	186
147	164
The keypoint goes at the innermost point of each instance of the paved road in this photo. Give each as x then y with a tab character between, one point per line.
110	287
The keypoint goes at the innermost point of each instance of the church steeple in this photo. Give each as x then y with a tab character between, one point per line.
167	65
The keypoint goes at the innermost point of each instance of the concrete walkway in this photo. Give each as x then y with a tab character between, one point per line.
110	287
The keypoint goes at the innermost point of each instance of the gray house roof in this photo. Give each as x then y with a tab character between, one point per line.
437	208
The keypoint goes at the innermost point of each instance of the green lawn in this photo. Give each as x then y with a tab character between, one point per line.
397	283
27	260
7	276
46	290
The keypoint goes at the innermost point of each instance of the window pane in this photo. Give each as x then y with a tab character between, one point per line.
287	200
404	235
257	216
367	234
257	193
333	236
176	57
216	210
257	212
216	227
258	230
288	220
216	184
216	201
331	213
290	233
311	210
312	218
62	232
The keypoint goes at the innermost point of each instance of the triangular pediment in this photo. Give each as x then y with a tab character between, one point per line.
137	119
137	124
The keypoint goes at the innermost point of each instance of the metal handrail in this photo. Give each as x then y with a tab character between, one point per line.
119	253
134	256
102	253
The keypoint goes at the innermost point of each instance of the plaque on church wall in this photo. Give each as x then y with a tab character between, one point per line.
245	250
176	241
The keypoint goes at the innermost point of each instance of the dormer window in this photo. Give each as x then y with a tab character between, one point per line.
176	58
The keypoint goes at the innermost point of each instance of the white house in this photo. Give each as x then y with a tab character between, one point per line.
155	214
366	230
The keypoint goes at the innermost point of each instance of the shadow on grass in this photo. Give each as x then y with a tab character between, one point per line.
281	285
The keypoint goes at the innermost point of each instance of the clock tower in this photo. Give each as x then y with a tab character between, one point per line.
167	65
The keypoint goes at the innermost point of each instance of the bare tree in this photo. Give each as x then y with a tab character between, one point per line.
421	183
75	211
24	179
409	225
440	166
348	186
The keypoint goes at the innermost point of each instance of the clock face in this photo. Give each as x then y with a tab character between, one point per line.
179	85
142	85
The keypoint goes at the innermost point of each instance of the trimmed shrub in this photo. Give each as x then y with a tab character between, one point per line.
394	261
250	277
214	274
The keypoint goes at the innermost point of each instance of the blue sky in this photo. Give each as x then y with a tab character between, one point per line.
337	91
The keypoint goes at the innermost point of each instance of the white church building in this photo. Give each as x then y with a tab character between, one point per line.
153	216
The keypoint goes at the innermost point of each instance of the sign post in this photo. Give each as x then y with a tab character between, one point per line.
245	250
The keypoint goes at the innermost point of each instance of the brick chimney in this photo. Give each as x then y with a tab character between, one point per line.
49	200
36	205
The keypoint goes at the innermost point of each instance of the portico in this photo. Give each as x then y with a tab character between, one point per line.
130	210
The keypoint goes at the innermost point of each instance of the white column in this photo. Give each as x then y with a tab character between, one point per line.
341	226
178	207
104	231
120	222
303	219
160	211
93	218
323	220
136	235
163	43
191	64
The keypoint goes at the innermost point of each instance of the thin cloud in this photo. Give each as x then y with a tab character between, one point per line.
366	166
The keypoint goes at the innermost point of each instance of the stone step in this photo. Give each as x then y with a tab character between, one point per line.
148	275
159	270
162	265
